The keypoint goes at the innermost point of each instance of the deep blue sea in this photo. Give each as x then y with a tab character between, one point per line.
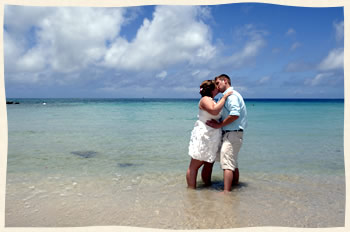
82	149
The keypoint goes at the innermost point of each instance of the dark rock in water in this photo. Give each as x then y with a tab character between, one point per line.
84	154
11	102
124	165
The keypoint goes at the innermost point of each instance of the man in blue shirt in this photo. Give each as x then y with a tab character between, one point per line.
233	123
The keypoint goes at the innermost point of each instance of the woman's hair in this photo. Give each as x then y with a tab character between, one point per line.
207	87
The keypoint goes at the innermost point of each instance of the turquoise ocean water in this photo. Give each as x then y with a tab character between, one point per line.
69	148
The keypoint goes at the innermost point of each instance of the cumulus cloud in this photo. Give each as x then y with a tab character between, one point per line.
33	60
59	40
174	35
79	41
20	19
68	44
331	68
334	60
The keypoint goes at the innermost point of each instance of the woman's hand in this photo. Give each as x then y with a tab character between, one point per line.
228	94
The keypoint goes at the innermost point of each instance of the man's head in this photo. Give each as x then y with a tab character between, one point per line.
222	82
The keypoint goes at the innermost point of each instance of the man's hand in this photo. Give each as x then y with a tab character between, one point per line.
213	123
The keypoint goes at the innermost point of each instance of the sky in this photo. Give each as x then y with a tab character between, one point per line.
269	51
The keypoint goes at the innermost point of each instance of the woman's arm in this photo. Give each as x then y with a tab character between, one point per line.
207	104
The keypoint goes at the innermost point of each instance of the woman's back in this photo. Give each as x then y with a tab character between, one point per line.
205	116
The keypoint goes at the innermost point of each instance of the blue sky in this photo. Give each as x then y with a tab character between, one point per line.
269	51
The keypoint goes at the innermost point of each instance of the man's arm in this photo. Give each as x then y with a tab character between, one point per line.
215	124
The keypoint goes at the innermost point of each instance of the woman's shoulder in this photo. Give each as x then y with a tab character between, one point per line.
206	99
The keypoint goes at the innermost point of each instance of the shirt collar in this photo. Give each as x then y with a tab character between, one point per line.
228	89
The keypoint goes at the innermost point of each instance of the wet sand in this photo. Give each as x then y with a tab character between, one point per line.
163	201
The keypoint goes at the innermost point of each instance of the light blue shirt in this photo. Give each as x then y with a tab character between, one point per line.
234	105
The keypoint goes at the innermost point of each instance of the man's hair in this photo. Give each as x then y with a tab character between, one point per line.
222	77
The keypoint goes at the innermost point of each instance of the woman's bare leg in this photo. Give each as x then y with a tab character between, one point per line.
191	175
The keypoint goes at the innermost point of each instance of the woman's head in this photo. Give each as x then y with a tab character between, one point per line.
207	87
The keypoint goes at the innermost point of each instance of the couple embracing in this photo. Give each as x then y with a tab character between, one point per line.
218	133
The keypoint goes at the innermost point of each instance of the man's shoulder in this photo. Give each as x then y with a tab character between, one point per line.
237	94
234	96
232	100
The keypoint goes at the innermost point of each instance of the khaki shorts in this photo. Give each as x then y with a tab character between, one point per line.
231	144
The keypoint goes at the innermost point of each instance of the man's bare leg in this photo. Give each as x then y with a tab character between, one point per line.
206	173
191	175
228	177
235	179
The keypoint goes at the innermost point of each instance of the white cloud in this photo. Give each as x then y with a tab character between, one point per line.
12	50
253	43
21	19
175	35
33	60
264	80
339	30
162	75
295	46
79	41
334	60
63	40
318	79
290	31
250	50
73	40
202	74
241	89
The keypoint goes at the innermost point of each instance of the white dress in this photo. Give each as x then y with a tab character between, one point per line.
205	141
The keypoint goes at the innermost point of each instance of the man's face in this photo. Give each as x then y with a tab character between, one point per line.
220	85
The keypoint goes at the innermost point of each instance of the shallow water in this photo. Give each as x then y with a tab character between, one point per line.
162	201
81	162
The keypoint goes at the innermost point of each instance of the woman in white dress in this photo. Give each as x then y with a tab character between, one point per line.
205	141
